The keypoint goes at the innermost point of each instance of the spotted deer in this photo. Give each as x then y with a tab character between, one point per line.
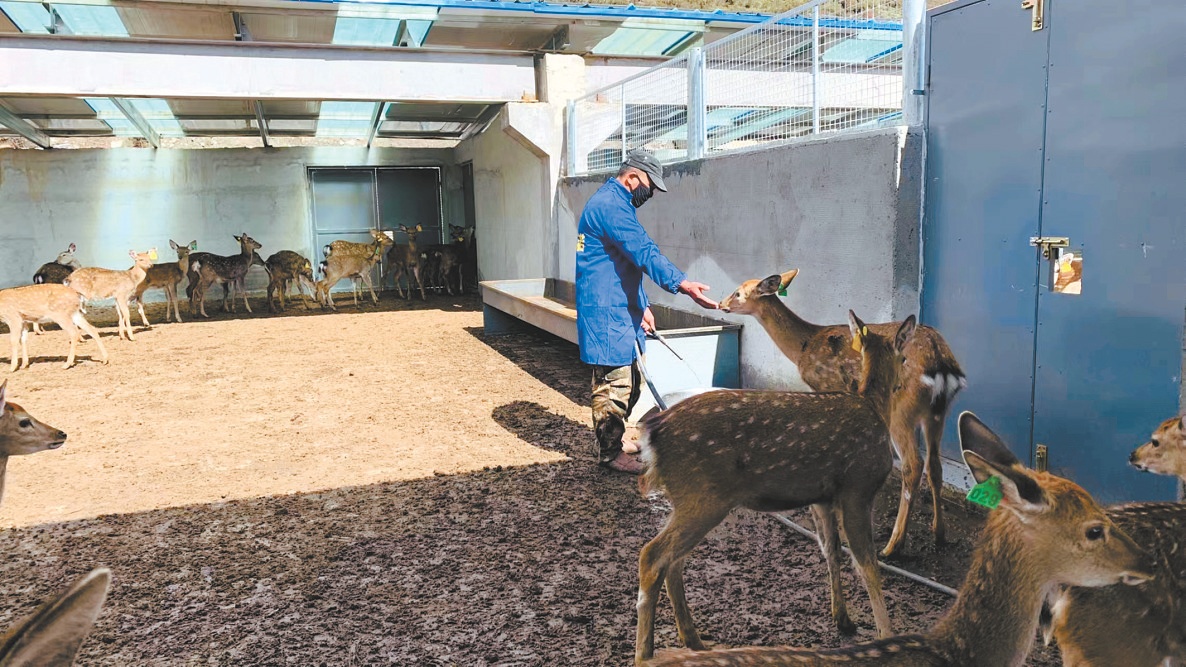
1141	626
53	634
21	434
49	302
1046	532
930	380
230	270
96	283
404	260
55	272
772	451
285	267
344	259
165	276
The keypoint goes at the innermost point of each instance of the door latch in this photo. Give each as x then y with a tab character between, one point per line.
1037	13
1049	243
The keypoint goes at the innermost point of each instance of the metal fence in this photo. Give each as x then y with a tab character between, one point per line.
826	66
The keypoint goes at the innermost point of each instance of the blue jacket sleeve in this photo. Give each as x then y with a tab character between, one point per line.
637	244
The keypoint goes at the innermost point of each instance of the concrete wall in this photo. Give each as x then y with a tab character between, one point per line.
110	200
843	210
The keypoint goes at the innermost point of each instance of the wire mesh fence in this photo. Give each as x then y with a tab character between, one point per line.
826	66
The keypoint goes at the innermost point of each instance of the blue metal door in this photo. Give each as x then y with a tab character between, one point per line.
987	87
1109	359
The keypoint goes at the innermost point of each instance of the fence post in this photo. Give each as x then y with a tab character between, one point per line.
697	106
913	60
570	119
622	96
815	82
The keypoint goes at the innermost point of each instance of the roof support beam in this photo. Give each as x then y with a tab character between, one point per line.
376	121
23	128
98	67
262	123
125	107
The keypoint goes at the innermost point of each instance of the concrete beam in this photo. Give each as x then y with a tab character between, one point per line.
96	67
534	126
23	128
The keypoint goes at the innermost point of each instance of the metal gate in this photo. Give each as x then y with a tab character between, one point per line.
1071	135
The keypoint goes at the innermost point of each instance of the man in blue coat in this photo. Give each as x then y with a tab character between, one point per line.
613	252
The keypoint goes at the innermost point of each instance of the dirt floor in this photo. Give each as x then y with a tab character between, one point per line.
378	486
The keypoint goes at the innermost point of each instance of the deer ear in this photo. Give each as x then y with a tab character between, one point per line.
193	245
859	331
71	248
786	278
986	456
905	333
54	633
173	244
768	286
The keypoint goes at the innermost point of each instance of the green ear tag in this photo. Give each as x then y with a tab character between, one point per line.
782	291
987	493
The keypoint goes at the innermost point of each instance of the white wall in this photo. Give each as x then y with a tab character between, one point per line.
843	210
110	200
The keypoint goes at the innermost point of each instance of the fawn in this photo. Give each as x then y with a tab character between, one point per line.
772	451
345	259
1139	626
1047	531
930	379
21	433
230	270
95	283
52	635
442	260
404	260
283	267
166	276
33	303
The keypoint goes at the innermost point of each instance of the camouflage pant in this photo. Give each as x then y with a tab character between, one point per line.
615	391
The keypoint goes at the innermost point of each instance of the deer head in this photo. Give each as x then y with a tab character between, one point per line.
1165	453
744	301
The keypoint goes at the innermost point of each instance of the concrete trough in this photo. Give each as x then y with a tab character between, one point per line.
711	348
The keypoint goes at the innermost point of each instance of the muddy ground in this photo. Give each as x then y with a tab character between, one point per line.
379	486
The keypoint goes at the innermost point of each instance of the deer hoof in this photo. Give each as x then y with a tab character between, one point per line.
845	625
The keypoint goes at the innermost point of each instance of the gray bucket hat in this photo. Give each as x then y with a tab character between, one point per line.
644	161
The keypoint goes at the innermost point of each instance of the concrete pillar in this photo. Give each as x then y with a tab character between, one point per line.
913	60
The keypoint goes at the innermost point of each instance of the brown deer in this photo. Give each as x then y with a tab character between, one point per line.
444	260
823	354
165	276
21	433
284	267
404	260
52	635
50	302
344	259
771	451
95	283
55	272
1047	531
1138	626
230	270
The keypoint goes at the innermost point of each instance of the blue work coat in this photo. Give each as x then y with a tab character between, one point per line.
613	251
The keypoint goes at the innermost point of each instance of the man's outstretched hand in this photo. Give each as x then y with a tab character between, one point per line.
697	292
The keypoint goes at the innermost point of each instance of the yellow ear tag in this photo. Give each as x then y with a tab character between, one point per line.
418	228
152	254
858	341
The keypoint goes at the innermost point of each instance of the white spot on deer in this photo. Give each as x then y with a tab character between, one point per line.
694	437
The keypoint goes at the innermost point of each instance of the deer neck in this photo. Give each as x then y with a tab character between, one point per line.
789	331
3	468
183	264
994	619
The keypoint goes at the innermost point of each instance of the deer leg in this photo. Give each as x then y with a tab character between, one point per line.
72	332
200	295
171	295
904	433
682	533
856	516
683	615
366	280
933	436
140	304
271	294
16	339
36	328
829	544
241	283
420	281
125	318
79	320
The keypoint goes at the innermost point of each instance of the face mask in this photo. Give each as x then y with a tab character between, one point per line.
640	195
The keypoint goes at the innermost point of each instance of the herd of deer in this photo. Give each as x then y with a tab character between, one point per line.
61	288
1105	583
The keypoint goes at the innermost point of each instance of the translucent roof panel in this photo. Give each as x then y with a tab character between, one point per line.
365	31
276	27
867	46
159	116
345	119
27	16
96	20
107	112
641	42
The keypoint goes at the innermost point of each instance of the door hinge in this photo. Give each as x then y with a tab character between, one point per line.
1041	463
1037	13
1048	243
